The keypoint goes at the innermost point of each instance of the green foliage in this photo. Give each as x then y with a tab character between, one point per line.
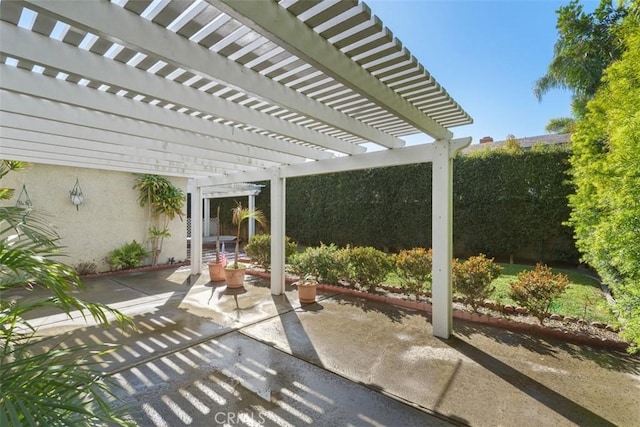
362	208
129	255
507	201
561	125
583	291
606	170
57	387
259	249
472	279
587	44
367	266
504	203
537	289
325	262
165	202
239	215
414	266
86	268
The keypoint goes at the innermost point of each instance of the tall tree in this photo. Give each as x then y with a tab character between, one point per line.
561	125
587	44
606	171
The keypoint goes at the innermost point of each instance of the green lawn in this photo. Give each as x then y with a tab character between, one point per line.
583	298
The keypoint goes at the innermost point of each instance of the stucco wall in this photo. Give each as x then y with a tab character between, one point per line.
109	217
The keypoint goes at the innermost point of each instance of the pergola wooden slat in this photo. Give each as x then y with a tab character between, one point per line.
225	92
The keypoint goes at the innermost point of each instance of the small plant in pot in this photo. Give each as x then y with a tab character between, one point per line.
234	274
216	268
307	289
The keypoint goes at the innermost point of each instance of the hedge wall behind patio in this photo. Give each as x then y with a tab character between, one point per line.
505	203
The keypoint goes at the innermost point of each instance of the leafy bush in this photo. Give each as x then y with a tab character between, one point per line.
472	278
324	262
367	266
536	289
129	255
259	249
414	269
86	268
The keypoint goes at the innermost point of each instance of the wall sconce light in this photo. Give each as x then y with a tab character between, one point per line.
24	201
76	195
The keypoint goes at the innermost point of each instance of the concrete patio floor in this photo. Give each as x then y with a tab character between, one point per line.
204	356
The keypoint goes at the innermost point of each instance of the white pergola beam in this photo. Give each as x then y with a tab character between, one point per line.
96	102
121	26
83	148
82	155
422	153
132	144
275	23
57	159
24	44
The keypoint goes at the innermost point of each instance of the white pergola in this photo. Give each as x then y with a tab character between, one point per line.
225	92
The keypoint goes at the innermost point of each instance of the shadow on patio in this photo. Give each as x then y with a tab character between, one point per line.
204	356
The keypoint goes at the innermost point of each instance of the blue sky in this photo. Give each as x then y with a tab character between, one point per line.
487	55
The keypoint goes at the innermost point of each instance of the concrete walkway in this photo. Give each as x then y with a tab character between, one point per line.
204	356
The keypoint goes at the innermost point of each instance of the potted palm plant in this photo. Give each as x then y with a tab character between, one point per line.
307	289
234	274
216	268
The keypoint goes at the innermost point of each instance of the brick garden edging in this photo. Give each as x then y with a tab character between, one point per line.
136	270
484	319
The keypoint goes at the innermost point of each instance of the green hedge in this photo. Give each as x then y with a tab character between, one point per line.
506	202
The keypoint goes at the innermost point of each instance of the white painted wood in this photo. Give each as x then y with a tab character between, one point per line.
196	230
134	145
278	228
20	43
206	231
302	41
126	28
442	228
185	126
252	221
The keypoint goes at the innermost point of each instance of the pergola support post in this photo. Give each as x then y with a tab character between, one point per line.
196	230
252	221
277	232
207	218
442	315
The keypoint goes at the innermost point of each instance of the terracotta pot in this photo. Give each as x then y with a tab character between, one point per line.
216	271
234	277
307	294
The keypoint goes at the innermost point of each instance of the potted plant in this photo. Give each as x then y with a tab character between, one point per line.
216	268
234	274
307	288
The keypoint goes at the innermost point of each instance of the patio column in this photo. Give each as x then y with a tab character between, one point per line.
442	199
207	217
252	221
277	232
196	230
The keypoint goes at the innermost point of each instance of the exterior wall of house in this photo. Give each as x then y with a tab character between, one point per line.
109	217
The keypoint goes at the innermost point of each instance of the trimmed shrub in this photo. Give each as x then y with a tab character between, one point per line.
472	279
326	263
129	255
86	268
414	269
367	266
259	249
536	289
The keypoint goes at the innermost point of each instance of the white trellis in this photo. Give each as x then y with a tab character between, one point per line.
225	92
